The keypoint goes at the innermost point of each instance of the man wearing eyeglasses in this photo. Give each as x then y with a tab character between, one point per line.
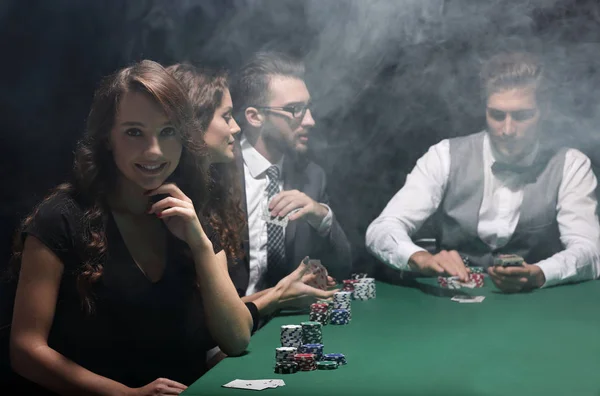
505	190
273	108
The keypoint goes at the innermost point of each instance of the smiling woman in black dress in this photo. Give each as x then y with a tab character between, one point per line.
121	290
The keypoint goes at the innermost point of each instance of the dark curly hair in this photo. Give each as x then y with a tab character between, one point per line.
206	89
95	172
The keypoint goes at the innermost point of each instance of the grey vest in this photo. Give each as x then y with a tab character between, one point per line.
536	236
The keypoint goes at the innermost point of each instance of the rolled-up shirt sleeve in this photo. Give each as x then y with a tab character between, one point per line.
577	223
388	237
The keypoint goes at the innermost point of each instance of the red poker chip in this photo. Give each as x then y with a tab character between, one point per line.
478	279
304	356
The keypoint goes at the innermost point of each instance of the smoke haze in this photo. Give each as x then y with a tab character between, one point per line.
388	77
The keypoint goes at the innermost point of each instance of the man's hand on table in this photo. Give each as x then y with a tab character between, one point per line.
444	263
516	279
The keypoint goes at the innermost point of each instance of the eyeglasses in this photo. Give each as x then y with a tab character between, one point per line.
518	115
297	111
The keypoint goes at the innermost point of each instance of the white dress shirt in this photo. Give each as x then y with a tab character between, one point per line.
389	236
255	168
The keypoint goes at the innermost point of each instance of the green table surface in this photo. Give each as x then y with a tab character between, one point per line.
416	341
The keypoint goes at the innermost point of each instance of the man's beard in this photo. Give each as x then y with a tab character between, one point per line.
289	148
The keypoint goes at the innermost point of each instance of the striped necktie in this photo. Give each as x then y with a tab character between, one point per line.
275	241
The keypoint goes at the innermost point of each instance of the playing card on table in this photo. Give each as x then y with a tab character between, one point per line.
320	271
254	384
468	299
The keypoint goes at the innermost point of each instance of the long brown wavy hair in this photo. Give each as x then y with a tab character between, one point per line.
206	89
95	172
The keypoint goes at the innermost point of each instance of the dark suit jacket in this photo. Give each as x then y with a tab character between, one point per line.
301	239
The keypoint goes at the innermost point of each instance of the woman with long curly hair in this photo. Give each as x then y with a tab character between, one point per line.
208	91
121	288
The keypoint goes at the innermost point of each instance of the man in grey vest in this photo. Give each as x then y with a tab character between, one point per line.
505	190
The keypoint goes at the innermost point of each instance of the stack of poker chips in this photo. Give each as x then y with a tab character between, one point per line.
285	354
315	349
329	304
319	312
286	368
339	317
341	302
453	282
477	278
284	360
291	336
305	361
312	333
359	276
339	358
327	365
349	284
364	289
466	260
476	270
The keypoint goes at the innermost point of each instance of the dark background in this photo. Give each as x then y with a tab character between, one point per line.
389	78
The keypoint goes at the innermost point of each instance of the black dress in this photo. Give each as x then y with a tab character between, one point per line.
139	331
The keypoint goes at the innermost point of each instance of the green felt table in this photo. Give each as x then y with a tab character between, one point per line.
416	341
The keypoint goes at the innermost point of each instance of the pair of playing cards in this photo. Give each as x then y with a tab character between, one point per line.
508	260
320	281
468	299
280	221
254	384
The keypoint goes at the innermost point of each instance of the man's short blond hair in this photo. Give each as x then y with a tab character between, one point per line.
511	70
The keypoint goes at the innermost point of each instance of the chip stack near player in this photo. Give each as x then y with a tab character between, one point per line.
452	282
286	368
342	300
315	349
291	336
319	313
327	365
349	284
285	354
364	289
312	333
340	317
305	361
339	358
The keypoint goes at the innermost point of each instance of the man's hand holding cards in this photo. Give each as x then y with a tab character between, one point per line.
512	274
508	260
294	204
